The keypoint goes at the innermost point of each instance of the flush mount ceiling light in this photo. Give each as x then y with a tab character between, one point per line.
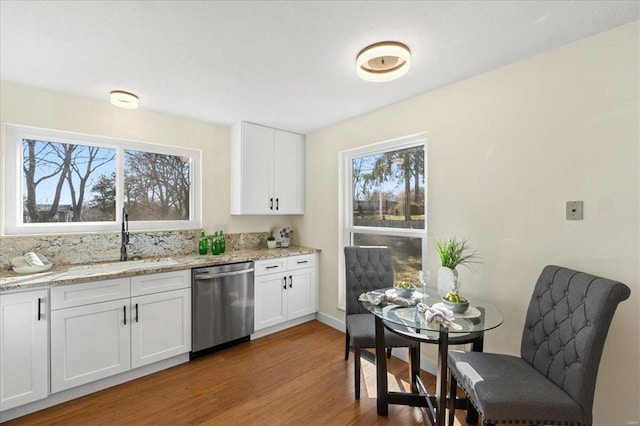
124	99
383	61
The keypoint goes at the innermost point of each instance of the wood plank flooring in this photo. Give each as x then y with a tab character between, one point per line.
294	377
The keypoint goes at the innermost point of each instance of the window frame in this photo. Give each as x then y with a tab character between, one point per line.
347	229
13	181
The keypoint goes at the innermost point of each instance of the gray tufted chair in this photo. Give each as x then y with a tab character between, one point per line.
367	268
553	380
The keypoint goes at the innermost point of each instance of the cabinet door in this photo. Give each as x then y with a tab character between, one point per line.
270	305
256	163
301	294
160	326
23	348
288	172
89	343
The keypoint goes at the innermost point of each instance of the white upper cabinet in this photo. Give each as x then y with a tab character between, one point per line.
267	170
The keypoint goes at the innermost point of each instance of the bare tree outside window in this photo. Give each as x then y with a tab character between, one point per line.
56	177
156	186
71	182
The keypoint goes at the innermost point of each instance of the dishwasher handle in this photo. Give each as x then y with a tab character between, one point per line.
223	274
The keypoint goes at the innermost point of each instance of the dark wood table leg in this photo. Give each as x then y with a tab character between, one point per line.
441	382
381	371
414	366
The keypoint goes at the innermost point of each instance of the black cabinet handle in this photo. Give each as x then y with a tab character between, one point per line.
285	282
125	314
137	313
302	261
272	266
271	203
290	281
39	309
277	203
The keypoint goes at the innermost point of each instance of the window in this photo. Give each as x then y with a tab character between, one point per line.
384	201
63	182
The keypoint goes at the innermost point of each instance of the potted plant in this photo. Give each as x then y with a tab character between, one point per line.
271	241
453	252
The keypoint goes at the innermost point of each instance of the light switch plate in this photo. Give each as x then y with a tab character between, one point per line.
574	210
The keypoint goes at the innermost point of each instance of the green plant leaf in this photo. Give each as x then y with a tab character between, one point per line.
454	252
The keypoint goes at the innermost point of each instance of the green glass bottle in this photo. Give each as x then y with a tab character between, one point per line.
222	242
215	243
203	245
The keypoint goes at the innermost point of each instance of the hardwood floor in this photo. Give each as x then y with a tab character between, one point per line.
294	377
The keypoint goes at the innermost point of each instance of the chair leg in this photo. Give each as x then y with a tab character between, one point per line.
452	398
356	369
388	353
346	346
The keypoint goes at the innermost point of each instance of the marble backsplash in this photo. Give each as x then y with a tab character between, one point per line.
74	249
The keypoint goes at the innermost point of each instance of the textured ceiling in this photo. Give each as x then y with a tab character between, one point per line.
287	64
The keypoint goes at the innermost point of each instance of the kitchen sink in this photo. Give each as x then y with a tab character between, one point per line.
116	267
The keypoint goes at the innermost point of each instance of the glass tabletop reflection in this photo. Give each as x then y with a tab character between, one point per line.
480	316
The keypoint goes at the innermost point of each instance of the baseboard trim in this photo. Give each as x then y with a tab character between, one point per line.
331	321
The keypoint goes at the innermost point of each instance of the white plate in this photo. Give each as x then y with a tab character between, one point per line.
471	312
21	267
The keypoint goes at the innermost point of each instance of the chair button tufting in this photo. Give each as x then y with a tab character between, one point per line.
589	323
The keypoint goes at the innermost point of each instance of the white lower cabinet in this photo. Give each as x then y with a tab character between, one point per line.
285	289
301	293
89	343
270	303
160	326
128	323
24	351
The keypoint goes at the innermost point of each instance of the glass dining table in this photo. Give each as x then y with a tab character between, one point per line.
408	321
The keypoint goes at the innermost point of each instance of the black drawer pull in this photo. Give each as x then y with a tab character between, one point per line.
290	281
39	311
277	203
302	261
285	283
272	266
137	313
271	203
125	314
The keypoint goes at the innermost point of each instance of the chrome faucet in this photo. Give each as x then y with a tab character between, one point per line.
124	234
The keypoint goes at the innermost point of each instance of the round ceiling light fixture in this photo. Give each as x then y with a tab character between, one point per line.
383	61
124	99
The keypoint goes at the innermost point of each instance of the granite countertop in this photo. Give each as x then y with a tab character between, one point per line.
73	274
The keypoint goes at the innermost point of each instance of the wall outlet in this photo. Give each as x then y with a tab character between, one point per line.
575	210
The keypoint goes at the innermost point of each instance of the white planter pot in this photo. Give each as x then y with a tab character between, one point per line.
271	244
446	278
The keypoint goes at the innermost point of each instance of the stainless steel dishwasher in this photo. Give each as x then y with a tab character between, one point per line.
222	305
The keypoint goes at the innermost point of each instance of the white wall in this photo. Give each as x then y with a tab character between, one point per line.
506	150
39	108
